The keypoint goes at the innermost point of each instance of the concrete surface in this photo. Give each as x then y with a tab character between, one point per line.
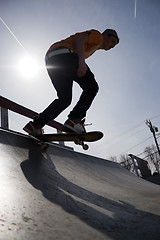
63	194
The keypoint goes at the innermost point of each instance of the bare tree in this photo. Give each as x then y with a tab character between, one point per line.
152	156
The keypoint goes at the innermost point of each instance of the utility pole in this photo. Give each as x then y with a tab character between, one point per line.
153	129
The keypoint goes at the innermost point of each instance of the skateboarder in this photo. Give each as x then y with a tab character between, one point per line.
65	62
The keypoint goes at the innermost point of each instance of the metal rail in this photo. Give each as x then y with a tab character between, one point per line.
7	104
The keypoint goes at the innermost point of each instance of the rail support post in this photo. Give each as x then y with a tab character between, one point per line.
4	118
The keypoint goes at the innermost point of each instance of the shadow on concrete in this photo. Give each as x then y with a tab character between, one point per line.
113	219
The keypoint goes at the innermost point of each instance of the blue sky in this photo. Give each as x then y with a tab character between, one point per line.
128	75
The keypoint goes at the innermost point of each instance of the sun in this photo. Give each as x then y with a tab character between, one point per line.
28	67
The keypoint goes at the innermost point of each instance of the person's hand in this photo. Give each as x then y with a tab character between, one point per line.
82	69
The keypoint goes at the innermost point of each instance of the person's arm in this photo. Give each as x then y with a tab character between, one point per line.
81	38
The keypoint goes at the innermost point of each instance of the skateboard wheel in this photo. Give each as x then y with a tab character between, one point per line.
77	142
85	147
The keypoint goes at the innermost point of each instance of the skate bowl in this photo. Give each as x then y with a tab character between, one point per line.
63	194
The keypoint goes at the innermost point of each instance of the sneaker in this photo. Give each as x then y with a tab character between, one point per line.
33	129
75	126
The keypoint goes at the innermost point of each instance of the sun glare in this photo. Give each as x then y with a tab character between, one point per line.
28	67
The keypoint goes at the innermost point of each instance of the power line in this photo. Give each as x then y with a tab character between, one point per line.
138	144
155	116
100	148
127	131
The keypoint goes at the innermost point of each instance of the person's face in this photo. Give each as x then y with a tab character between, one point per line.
109	42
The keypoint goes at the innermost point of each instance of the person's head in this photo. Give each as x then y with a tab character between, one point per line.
111	39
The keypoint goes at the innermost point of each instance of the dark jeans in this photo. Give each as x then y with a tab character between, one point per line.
62	70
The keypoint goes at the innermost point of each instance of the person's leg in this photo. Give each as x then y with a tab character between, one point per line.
61	70
63	86
90	89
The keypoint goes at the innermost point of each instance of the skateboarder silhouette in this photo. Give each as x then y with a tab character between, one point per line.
65	63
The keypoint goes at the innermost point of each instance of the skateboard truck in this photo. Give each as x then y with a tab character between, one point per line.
80	142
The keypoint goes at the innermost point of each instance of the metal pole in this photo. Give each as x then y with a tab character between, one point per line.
4	118
148	122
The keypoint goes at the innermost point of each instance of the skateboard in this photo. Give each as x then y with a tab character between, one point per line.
78	139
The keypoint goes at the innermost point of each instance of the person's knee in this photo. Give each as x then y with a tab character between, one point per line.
94	88
65	102
93	85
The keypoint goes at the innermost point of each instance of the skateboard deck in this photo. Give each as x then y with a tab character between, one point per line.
78	139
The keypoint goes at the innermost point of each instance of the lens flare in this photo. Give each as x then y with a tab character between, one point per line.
28	67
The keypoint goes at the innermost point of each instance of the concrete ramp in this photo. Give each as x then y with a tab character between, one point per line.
62	194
